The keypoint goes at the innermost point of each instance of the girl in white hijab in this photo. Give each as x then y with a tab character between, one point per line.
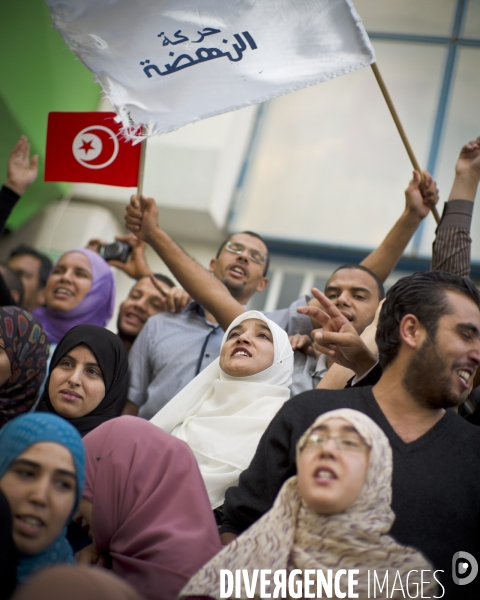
223	412
335	514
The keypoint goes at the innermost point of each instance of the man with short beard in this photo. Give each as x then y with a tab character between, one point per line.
428	340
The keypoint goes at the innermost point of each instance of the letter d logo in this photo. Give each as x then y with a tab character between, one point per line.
462	562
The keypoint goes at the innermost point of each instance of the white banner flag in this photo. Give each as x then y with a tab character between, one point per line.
166	63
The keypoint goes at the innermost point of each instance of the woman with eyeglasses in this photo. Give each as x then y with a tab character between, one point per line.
335	514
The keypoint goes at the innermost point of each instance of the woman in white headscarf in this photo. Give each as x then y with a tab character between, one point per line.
223	412
335	514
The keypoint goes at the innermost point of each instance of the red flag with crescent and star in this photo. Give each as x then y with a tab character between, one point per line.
87	147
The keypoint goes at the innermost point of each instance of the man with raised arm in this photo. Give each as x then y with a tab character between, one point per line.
170	351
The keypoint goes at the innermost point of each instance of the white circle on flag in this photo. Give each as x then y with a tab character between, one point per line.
95	143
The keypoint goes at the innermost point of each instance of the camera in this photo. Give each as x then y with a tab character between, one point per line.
115	251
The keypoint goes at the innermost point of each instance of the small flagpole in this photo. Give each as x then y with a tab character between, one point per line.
141	168
401	131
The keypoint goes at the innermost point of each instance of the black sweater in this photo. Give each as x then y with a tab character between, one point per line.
8	199
436	478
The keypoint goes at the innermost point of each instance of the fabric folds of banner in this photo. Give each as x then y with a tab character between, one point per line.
166	63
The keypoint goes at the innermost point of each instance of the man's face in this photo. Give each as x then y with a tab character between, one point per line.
441	372
240	274
144	300
355	293
27	267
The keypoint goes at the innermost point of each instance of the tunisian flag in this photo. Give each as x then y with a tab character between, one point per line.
87	147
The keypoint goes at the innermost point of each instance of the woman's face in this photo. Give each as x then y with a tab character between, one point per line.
69	282
76	384
332	472
248	349
40	486
5	366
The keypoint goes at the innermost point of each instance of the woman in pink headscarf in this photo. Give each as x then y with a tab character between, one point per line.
146	505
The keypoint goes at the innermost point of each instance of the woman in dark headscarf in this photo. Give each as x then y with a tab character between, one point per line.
23	359
87	379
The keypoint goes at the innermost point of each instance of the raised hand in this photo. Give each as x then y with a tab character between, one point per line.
421	197
176	297
303	343
338	338
136	266
469	159
21	170
141	217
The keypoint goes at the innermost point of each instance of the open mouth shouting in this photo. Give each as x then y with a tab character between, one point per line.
29	525
134	318
63	292
324	475
465	375
240	351
238	271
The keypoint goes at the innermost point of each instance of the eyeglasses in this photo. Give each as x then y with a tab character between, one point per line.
344	443
255	255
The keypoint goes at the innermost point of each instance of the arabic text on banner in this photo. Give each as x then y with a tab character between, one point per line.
166	63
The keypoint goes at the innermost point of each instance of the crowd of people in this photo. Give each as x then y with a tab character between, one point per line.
337	435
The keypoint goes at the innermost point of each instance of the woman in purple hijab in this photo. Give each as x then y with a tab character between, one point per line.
80	291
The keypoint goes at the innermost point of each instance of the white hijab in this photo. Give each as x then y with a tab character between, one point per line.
222	418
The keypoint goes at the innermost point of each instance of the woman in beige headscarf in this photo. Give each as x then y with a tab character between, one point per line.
335	514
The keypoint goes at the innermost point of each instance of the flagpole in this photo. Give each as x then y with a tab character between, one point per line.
141	168
399	125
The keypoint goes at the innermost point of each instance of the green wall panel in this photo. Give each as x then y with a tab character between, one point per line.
38	74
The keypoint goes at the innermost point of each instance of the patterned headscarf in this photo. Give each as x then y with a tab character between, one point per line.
96	308
291	536
15	438
26	348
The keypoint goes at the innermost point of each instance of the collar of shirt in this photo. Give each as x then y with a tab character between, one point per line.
321	367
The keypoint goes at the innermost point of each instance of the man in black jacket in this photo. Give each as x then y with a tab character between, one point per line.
429	348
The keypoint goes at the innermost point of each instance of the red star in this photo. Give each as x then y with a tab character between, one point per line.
86	146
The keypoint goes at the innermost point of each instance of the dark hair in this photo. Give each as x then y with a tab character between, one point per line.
164	278
12	281
380	288
253	234
422	294
45	262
